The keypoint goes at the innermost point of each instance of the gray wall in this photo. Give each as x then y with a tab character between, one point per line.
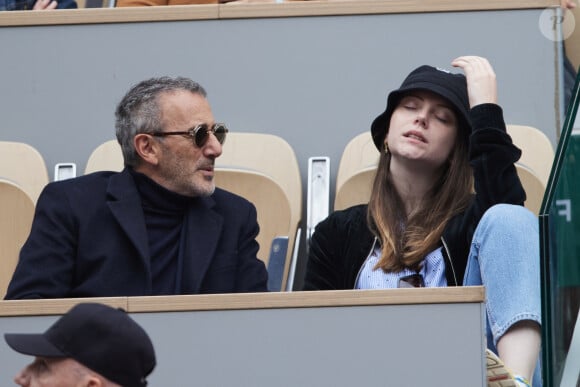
315	81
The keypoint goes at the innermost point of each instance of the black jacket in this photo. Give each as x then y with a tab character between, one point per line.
342	242
88	239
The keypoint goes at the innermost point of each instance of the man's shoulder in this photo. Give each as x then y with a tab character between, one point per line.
95	177
230	205
221	196
86	184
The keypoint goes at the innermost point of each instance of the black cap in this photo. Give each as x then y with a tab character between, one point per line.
101	338
452	87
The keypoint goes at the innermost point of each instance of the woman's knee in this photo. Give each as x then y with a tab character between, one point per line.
509	217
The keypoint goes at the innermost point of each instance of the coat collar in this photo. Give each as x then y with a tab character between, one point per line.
204	228
203	225
124	202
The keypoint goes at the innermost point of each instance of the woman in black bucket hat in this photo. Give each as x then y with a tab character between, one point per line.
446	209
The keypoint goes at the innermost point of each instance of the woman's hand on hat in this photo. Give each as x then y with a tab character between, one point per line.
481	81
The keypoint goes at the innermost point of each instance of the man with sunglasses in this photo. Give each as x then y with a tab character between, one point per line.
160	226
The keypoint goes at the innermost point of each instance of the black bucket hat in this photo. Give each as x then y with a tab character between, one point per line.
100	337
451	86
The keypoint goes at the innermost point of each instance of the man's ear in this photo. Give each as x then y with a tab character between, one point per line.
93	381
147	148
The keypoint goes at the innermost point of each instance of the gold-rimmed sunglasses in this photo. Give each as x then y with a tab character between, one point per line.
199	134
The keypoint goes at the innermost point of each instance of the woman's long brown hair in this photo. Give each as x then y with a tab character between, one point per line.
406	242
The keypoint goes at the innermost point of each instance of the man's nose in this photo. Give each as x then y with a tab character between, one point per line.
22	378
212	147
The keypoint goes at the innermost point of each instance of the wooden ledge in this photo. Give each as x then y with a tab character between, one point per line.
259	10
109	15
335	298
53	306
360	7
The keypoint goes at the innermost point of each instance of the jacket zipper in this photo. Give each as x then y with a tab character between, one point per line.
444	246
363	264
450	261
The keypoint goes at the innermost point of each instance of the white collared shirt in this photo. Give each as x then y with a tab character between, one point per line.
433	272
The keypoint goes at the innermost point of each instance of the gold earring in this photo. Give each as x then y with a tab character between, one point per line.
386	148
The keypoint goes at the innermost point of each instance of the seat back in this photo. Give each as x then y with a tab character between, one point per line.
537	150
358	156
357	167
272	156
272	204
260	167
356	189
16	213
534	188
356	172
23	165
105	157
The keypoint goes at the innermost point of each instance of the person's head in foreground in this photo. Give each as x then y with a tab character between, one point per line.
91	345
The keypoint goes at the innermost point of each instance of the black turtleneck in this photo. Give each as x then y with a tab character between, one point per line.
164	216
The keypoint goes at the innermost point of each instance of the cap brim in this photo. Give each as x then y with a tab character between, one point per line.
379	130
380	124
32	344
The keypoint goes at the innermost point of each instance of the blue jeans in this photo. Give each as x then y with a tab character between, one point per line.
505	258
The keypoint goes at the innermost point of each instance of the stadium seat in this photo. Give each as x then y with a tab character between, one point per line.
273	157
105	157
23	165
537	150
17	211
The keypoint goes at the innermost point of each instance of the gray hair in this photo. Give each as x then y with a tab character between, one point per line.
138	111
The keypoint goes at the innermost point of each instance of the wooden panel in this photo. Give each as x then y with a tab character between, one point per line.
109	15
238	342
53	306
309	299
274	300
346	7
240	10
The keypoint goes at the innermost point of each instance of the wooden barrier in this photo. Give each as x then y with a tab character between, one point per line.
399	337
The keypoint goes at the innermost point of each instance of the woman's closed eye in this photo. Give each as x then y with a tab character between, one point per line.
444	116
409	102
